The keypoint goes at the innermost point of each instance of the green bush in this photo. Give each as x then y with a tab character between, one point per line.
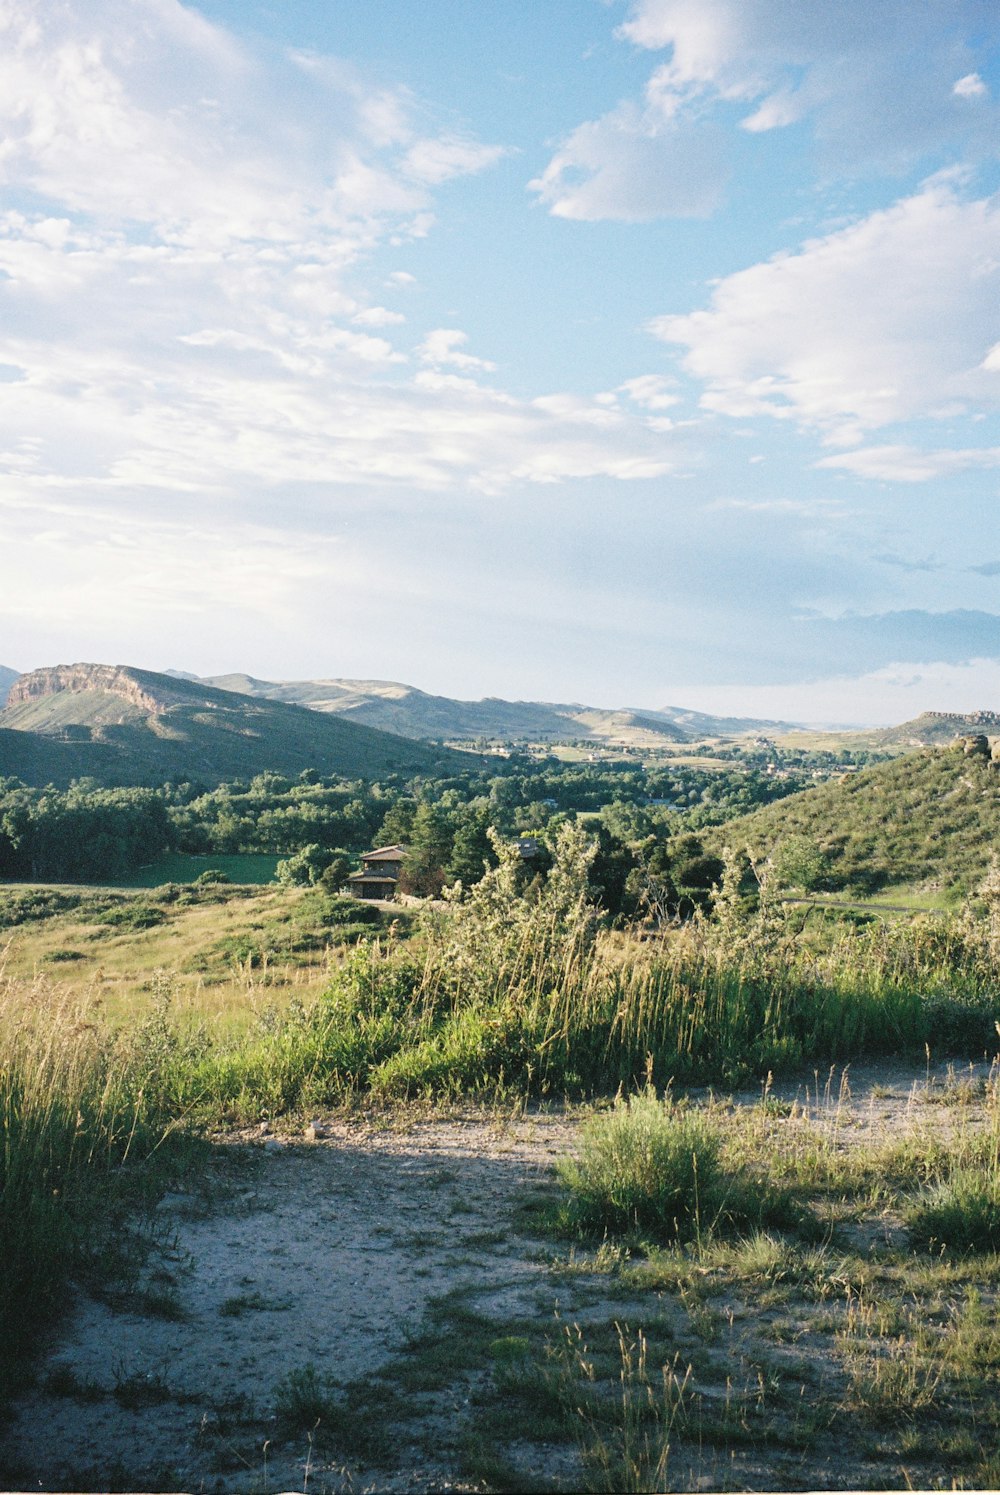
306	1402
961	1216
352	911
645	1167
131	915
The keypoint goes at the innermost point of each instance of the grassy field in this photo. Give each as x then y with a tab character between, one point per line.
662	755
255	868
222	952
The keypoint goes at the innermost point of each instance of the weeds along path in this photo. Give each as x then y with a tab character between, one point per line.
378	1310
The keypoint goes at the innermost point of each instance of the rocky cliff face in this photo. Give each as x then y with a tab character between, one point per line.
990	719
109	678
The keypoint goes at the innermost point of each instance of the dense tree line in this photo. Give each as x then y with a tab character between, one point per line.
318	824
81	833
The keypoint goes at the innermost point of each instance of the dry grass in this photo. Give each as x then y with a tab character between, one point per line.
197	949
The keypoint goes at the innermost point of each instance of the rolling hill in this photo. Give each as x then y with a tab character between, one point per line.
7	678
128	726
394	707
928	818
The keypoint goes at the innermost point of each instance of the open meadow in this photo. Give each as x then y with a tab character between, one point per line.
293	1199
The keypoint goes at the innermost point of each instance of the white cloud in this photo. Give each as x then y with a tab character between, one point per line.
378	316
84	567
651	391
970	87
444	346
890	319
907	464
635	164
876	85
436	161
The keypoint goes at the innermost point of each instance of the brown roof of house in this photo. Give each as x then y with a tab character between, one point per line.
384	854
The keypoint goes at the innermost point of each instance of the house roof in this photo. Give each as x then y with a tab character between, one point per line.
384	854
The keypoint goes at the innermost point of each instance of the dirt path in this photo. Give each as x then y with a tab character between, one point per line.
386	1275
287	1255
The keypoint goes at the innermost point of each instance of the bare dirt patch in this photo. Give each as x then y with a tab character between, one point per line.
377	1310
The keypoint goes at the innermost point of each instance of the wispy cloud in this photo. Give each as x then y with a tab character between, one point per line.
895	693
879	87
903	563
908	464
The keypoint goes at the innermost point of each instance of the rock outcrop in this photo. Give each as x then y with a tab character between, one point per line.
111	679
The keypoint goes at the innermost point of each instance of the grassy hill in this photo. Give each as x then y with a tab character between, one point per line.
7	678
127	726
928	818
395	707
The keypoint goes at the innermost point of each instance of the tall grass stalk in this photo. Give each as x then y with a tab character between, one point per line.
624	1439
72	1112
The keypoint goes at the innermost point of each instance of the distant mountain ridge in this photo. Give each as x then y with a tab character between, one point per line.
395	707
938	728
7	678
123	725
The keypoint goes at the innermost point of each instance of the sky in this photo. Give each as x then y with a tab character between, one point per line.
632	352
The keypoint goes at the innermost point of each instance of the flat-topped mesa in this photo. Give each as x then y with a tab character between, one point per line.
974	718
112	679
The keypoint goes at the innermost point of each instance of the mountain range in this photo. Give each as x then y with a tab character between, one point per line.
403	709
121	725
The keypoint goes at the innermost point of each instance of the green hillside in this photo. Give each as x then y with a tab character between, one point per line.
127	726
928	818
36	759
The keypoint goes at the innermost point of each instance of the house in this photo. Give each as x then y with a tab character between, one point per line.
379	875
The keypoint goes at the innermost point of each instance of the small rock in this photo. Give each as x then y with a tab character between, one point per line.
273	1144
314	1131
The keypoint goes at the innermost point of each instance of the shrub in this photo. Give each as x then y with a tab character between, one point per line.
352	911
305	1401
960	1216
645	1166
132	915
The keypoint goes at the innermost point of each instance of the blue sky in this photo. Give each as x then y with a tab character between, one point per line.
636	353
